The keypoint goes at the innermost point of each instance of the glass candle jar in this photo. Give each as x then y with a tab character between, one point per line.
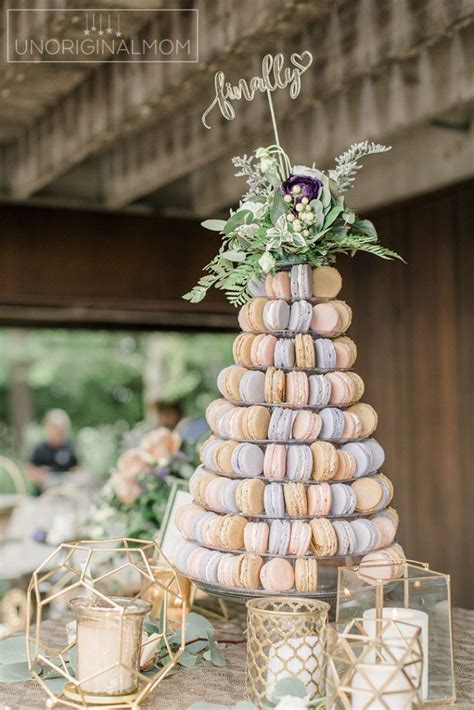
285	637
167	583
109	639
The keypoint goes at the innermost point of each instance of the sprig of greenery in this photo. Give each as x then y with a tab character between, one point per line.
347	164
271	229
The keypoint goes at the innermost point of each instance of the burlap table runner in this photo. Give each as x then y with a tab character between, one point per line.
226	685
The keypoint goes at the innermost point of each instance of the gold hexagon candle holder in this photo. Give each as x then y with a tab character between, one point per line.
285	638
103	661
380	670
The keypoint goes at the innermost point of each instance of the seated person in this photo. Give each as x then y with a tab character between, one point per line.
56	454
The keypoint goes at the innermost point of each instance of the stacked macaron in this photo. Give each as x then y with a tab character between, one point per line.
258	497
291	476
294	388
303	351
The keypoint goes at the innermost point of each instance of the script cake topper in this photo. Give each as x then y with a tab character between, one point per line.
274	76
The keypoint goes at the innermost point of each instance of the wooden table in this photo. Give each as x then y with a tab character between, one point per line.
227	685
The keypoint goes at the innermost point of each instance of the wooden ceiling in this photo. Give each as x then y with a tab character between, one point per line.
129	136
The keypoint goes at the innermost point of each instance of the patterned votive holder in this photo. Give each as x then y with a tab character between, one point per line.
371	671
286	637
415	595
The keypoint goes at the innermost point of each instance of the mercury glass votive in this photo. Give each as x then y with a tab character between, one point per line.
109	639
417	595
286	637
167	583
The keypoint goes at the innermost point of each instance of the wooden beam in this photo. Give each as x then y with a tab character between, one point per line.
407	94
68	267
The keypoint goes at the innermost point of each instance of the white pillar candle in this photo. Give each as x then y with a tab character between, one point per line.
409	617
301	658
109	645
376	688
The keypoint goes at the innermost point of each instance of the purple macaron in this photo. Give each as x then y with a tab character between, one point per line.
281	424
273	500
325	354
343	501
378	454
300	316
363	457
284	353
252	387
332	423
319	390
227	497
301	280
247	460
299	463
365	535
279	537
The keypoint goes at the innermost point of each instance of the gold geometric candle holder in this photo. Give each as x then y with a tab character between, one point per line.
285	638
102	663
417	595
379	671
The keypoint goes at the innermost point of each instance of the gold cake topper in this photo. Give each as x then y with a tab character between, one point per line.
274	76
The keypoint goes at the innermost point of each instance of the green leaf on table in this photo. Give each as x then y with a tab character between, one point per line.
14	672
197	646
187	659
207	706
288	686
215	225
13	650
56	684
197	626
214	653
244	705
151	626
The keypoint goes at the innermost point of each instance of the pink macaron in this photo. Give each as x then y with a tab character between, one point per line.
274	462
297	388
386	529
352	426
326	319
262	351
346	465
256	537
281	285
342	388
225	570
216	410
319	499
300	538
269	290
306	426
213	493
277	575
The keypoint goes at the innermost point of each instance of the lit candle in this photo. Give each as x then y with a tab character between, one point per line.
108	644
301	658
410	617
381	686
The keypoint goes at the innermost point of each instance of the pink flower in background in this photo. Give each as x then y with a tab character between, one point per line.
126	489
161	443
133	463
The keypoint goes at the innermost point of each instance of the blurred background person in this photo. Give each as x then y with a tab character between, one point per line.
56	454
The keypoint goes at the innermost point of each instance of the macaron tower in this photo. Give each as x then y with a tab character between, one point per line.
291	483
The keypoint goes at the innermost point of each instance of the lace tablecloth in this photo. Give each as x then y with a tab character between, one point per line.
226	685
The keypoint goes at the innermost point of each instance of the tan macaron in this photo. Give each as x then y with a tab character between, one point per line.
345	313
255	423
306	574
305	353
368	493
249	496
324	539
296	501
324	460
368	418
223	456
231	531
275	386
358	384
327	282
241	349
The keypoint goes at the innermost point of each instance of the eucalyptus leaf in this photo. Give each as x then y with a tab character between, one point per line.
332	215
214	653
288	686
197	626
13	649
235	256
244	705
207	706
237	219
197	646
14	672
56	684
215	225
366	227
349	216
187	659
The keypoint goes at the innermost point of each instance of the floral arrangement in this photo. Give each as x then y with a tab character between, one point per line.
290	214
133	500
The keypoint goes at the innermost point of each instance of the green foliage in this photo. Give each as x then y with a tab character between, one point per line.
271	229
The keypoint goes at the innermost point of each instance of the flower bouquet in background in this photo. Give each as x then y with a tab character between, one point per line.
133	500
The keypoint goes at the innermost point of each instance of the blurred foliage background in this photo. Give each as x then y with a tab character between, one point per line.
106	381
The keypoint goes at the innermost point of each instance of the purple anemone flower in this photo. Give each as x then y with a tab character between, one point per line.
310	187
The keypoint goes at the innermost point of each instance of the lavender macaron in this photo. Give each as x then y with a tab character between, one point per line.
332	423
247	460
252	387
378	454
227	498
299	463
363	456
319	391
279	537
301	281
281	424
325	354
284	353
274	500
300	316
365	535
343	501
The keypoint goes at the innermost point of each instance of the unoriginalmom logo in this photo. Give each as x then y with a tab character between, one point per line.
92	36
